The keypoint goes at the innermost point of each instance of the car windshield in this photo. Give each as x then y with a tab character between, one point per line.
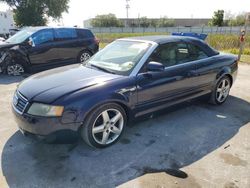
20	36
119	57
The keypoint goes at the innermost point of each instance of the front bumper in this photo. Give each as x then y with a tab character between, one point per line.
43	126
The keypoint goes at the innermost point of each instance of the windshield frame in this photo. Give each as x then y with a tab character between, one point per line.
113	71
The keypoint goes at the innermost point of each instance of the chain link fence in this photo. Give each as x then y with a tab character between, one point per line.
221	38
201	29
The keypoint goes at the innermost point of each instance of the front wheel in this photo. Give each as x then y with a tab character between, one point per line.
221	91
15	69
104	125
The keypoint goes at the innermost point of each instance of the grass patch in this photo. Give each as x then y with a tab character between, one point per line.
246	51
226	41
102	45
235	51
245	59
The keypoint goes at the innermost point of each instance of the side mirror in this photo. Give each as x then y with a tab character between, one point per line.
155	66
31	42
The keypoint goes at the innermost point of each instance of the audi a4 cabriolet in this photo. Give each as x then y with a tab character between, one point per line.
130	77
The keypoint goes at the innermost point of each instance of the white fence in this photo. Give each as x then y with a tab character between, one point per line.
204	29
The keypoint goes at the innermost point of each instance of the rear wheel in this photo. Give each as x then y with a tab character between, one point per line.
104	125
221	91
84	56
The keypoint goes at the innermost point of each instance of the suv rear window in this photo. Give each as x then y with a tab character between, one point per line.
84	33
64	34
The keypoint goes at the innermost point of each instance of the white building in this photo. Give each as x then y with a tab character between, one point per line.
6	22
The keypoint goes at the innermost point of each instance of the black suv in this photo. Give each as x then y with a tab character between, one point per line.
41	48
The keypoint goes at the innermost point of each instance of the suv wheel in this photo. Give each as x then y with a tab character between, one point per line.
84	56
15	69
221	91
104	125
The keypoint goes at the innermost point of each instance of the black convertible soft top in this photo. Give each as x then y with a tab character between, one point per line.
163	39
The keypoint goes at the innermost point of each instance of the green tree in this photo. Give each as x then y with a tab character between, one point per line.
153	23
218	17
144	22
239	20
165	22
36	12
106	20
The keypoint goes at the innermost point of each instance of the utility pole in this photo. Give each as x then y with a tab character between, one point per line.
127	8
139	24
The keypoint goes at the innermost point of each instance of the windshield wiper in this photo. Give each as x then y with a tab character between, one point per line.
100	68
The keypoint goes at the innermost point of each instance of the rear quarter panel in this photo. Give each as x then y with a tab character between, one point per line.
213	68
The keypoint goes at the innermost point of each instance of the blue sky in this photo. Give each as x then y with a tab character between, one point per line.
80	9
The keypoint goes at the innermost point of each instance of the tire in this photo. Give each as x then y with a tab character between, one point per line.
104	125
15	69
221	91
83	56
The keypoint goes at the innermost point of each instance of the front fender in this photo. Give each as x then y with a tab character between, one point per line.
97	101
14	54
83	102
80	113
19	53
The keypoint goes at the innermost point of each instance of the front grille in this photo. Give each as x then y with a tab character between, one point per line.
20	102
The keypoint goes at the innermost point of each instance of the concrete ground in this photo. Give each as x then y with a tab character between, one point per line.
192	145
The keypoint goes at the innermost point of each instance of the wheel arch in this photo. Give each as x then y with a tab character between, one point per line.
122	104
225	71
15	56
85	49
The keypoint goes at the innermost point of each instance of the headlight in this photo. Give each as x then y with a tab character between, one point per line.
39	109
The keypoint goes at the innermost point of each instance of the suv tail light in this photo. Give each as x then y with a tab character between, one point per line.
97	41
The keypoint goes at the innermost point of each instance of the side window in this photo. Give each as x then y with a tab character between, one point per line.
196	53
182	53
43	36
171	54
165	54
65	34
82	33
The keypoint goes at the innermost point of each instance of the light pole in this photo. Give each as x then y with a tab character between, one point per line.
127	8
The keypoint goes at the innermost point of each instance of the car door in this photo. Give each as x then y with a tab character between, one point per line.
42	51
176	82
66	44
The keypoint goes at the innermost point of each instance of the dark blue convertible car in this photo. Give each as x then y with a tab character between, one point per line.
129	78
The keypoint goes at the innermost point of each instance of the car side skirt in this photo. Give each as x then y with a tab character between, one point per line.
169	102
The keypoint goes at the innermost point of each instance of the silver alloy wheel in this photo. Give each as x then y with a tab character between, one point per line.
15	69
84	57
222	91
108	126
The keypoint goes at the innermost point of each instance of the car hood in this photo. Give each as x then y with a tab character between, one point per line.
4	45
50	85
